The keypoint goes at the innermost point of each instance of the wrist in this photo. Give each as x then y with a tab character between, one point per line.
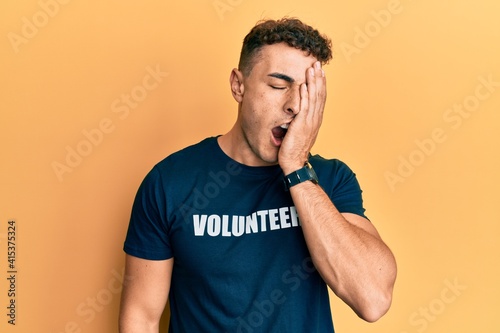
292	168
293	163
303	174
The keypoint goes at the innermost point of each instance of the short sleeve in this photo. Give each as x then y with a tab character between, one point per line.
147	235
342	186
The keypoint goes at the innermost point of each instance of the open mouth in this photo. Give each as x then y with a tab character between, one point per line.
279	132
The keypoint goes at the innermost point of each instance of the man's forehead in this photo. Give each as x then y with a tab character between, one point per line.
284	62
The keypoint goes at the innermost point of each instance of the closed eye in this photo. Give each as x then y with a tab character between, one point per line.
279	88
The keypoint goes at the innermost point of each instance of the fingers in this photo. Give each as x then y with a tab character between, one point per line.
304	98
313	92
311	88
320	87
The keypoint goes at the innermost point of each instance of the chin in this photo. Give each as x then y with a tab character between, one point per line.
266	155
270	159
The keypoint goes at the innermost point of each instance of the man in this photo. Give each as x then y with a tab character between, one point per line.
244	232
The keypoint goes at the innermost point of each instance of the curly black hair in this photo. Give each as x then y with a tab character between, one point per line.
291	31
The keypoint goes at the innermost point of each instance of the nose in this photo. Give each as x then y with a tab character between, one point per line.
292	104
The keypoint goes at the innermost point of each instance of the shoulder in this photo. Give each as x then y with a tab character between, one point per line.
333	174
179	164
340	183
190	156
330	167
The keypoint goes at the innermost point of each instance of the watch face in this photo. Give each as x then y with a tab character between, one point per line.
312	173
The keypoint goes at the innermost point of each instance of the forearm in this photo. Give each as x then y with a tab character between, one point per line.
352	259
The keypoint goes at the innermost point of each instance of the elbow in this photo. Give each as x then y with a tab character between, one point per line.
376	308
378	302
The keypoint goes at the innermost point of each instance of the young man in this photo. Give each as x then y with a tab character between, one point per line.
244	232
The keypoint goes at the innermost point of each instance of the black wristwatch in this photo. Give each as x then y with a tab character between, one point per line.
303	174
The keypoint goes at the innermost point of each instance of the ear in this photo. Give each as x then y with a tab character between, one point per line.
237	87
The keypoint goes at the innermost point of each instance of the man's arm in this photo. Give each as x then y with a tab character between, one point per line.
145	293
347	252
345	248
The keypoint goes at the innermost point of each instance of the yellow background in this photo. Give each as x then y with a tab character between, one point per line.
389	91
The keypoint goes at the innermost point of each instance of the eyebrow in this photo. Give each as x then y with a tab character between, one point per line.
282	77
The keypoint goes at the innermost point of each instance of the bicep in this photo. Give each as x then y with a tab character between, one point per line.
145	289
362	223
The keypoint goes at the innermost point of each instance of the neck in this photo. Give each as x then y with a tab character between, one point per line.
229	145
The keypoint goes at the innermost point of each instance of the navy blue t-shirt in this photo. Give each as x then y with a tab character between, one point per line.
241	263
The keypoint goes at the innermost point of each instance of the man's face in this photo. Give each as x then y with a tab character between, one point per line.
270	99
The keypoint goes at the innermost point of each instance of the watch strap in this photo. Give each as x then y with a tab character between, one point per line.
306	173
